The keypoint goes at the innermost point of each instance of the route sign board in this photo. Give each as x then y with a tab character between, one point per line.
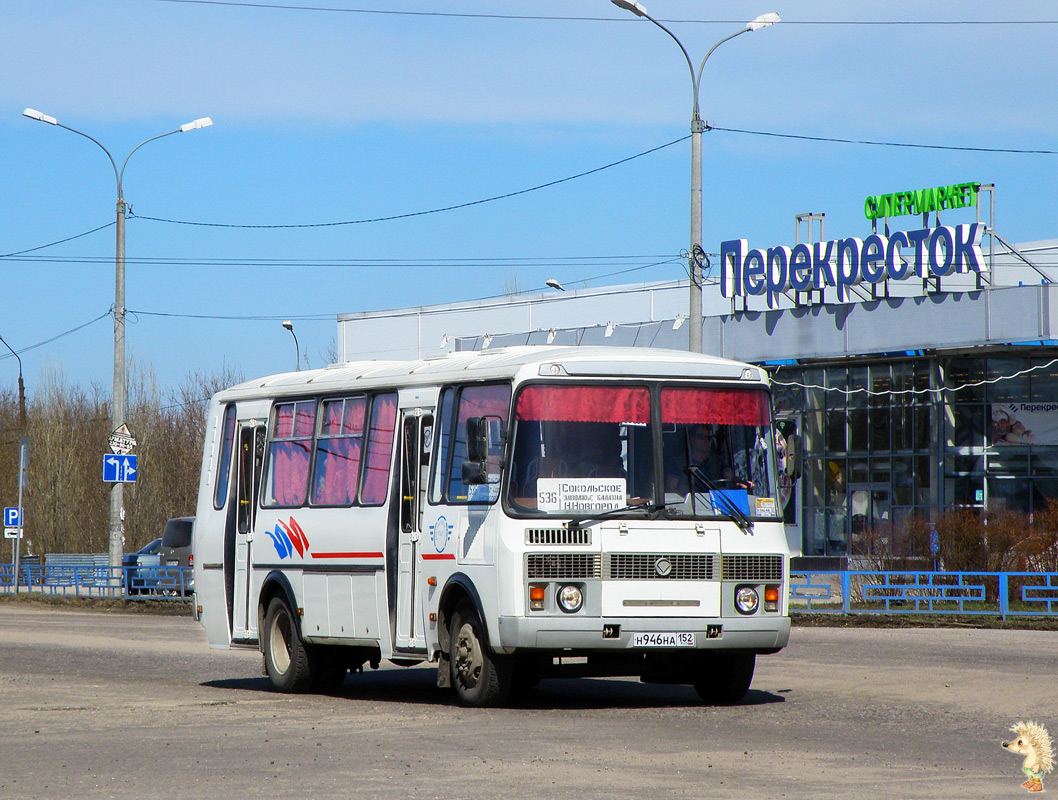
121	441
119	469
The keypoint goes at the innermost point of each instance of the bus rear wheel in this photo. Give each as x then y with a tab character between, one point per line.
480	677
723	678
287	659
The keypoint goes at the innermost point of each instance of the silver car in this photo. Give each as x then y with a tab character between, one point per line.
175	556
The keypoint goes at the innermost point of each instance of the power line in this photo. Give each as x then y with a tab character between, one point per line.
558	18
529	262
60	241
429	211
892	392
803	137
58	336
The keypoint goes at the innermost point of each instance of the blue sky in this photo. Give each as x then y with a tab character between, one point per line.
339	116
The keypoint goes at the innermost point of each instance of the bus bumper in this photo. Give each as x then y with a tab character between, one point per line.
763	634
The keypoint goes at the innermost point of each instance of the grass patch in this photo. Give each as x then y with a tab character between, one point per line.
166	608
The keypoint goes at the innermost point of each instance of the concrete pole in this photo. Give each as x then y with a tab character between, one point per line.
117	416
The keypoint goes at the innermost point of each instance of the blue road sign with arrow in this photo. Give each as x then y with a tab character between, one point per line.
119	469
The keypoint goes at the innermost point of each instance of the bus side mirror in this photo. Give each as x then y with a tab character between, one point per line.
793	456
475	468
477	439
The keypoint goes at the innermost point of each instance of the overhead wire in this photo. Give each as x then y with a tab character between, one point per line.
566	18
900	392
411	214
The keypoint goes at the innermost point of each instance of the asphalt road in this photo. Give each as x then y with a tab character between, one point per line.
99	705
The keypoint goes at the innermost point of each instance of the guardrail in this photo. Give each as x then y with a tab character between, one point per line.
91	580
1001	594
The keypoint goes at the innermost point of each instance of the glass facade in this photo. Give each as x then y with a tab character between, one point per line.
884	439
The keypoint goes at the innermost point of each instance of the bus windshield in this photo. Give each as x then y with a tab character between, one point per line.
593	448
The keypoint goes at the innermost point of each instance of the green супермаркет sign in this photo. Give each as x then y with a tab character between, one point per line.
922	201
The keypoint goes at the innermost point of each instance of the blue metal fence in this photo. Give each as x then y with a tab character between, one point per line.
1001	594
92	580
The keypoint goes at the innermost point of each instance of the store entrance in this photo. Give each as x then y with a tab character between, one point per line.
869	516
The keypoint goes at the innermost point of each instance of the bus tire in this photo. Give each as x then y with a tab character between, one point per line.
287	659
723	678
480	678
331	664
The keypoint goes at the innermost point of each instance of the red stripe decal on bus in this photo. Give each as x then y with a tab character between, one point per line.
347	555
438	557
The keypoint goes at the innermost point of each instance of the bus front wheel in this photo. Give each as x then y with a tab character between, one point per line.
724	678
480	677
287	660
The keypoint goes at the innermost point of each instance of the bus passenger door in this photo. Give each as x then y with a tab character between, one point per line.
415	448
251	455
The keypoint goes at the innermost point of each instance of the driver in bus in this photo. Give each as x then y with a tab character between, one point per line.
694	448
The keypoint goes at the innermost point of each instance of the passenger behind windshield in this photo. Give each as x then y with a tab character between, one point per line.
694	446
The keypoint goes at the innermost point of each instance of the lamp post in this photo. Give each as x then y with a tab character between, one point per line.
297	350
117	495
695	311
23	447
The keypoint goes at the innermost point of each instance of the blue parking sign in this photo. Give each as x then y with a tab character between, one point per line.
119	469
12	517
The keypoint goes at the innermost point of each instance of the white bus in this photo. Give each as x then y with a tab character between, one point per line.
510	515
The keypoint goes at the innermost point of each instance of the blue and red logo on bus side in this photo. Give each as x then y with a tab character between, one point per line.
289	537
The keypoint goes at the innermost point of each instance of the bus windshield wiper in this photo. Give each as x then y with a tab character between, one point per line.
651	508
737	515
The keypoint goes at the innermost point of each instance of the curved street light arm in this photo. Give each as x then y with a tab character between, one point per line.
686	55
701	69
117	175
121	174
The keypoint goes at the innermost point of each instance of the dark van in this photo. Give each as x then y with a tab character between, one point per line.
176	553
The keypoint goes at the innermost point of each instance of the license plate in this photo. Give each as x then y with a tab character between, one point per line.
173	563
683	639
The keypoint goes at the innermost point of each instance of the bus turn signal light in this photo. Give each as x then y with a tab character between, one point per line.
536	597
771	598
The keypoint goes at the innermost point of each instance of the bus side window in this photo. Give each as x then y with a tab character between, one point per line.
442	445
289	452
227	442
489	400
380	438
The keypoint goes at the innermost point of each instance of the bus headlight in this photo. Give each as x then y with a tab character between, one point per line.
746	600
570	598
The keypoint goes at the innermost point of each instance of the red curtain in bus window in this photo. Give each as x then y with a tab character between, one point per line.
714	406
585	404
290	472
484	401
284	425
379	449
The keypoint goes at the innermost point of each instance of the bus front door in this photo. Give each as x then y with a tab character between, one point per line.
251	455
416	445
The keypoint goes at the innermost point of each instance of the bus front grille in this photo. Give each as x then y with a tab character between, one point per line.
659	566
563	566
752	568
553	536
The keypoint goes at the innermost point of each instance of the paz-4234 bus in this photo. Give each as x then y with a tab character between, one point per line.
509	515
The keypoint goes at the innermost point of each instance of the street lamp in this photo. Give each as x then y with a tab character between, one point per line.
297	350
117	494
763	21
23	449
21	389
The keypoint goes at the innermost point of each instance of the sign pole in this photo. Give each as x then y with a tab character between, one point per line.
23	459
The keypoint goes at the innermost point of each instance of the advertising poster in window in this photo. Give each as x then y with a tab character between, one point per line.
1023	423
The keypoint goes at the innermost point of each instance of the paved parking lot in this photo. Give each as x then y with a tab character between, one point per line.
136	706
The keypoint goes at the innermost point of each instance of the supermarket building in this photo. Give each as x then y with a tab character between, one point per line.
918	365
